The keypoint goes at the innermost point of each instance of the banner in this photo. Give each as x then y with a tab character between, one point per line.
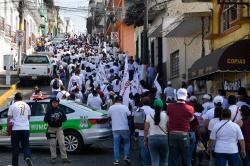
135	85
158	87
125	84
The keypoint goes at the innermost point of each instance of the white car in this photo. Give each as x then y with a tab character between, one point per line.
84	126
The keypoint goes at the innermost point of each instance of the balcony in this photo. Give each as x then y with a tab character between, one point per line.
2	23
7	30
157	5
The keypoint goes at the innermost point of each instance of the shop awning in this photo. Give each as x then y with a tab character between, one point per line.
232	58
187	24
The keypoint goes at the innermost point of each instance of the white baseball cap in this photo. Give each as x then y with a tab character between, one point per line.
182	94
169	83
206	96
218	99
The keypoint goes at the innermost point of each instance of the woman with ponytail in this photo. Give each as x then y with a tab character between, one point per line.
156	136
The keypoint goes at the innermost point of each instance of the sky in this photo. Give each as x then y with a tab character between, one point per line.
77	17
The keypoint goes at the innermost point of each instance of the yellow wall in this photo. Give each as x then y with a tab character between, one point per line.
234	34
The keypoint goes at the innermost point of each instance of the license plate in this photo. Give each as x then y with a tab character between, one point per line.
34	77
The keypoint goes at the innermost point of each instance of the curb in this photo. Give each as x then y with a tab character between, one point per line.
7	94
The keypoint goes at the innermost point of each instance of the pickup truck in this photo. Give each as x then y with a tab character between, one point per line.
35	67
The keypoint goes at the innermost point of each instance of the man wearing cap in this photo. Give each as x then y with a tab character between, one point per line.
180	115
18	118
169	92
119	115
55	117
207	104
218	101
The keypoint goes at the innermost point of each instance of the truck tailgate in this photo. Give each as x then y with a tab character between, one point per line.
35	69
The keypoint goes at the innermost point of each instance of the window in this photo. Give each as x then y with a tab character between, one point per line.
230	13
65	109
38	109
36	60
174	64
4	113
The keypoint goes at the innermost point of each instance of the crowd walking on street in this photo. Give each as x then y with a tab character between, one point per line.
171	125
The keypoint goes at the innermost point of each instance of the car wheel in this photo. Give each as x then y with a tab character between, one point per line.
73	141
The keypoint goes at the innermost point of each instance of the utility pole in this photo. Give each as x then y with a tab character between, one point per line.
57	19
145	59
20	28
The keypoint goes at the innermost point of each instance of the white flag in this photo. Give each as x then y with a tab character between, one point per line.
158	87
125	84
135	85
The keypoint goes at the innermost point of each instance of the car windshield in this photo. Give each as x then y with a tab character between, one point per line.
36	60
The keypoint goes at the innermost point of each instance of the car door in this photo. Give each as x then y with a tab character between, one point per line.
38	128
4	139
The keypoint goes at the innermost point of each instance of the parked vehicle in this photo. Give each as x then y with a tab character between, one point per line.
35	67
84	126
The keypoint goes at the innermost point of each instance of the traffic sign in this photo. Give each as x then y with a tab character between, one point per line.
114	36
19	35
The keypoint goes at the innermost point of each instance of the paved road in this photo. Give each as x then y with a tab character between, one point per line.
97	155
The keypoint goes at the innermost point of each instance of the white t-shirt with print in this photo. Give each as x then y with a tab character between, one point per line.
155	129
227	137
119	116
20	112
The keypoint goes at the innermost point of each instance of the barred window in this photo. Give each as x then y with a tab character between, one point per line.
230	13
174	64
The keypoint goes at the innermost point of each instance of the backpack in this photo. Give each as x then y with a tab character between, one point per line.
56	84
139	119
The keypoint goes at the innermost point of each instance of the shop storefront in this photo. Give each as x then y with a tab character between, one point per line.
226	68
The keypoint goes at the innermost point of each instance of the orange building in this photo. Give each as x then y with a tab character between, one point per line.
126	32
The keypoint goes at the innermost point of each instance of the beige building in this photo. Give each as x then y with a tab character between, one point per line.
177	38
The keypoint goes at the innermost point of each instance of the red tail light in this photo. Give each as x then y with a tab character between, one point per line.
98	121
48	70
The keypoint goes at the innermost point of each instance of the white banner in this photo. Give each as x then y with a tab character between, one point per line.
135	85
125	84
158	87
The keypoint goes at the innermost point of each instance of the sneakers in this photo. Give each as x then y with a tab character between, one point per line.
53	160
66	160
127	160
29	162
116	162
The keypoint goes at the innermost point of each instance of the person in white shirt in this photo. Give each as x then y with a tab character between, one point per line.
63	94
75	81
116	84
144	151
207	104
119	115
226	135
18	119
218	100
55	85
155	135
95	101
235	110
169	92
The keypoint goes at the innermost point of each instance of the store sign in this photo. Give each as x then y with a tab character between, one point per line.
232	86
236	61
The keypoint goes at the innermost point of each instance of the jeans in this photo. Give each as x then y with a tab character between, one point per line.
144	152
192	144
222	158
54	93
179	150
158	148
117	135
246	160
18	136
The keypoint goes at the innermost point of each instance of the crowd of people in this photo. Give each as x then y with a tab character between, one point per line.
172	126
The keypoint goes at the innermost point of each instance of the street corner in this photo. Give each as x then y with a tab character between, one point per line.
8	91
